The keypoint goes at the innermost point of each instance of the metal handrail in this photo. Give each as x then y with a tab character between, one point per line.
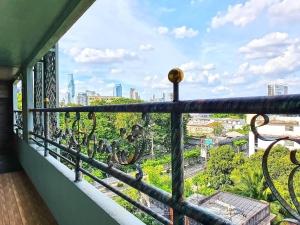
261	106
287	104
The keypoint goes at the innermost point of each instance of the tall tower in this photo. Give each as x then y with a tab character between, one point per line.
132	91
118	90
277	89
71	88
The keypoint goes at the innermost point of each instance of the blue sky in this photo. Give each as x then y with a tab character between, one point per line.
226	48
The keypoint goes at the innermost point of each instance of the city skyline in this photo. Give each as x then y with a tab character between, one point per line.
226	48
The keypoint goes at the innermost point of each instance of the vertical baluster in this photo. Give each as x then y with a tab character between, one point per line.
175	76
78	174
46	128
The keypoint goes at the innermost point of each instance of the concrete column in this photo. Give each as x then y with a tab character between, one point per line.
27	101
15	97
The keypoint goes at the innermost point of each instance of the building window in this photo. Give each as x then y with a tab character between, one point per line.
289	128
289	143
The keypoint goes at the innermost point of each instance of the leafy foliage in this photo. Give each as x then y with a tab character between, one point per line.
19	100
219	166
229	115
218	128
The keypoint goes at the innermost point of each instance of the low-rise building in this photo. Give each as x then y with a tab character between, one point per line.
166	97
99	98
202	124
237	209
278	126
82	98
196	129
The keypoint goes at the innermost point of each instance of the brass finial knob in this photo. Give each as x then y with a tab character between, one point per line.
46	100
176	75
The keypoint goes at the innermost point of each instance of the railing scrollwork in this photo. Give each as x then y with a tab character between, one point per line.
293	211
18	122
126	150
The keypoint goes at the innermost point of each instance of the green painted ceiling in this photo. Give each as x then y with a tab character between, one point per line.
29	27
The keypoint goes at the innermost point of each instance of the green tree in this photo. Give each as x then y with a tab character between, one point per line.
201	182
19	100
248	179
157	177
228	115
239	143
161	130
217	128
220	165
250	183
244	130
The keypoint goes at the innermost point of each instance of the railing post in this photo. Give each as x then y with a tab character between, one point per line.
46	101
175	76
78	174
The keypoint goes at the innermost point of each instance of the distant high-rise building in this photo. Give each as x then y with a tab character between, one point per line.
82	98
277	89
170	95
91	93
71	88
165	98
134	94
118	90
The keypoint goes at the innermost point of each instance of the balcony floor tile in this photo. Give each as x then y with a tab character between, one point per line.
20	203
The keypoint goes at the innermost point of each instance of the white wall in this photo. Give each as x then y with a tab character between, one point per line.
277	130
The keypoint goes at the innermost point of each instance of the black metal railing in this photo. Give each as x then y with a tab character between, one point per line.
74	136
18	122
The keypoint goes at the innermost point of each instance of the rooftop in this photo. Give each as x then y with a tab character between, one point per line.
238	209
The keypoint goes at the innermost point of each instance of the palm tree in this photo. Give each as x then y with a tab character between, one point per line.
250	184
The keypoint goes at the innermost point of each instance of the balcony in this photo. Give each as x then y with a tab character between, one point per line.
47	150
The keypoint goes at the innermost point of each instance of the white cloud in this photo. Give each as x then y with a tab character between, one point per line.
178	32
190	66
287	62
116	71
268	46
221	89
162	30
237	80
204	78
278	54
209	66
184	32
196	66
92	55
146	47
212	78
241	14
287	10
156	82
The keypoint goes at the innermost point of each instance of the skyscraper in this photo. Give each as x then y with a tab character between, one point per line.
132	91
82	98
71	88
277	89
134	94
118	90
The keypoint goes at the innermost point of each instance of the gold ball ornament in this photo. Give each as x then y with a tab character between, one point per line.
46	100
175	75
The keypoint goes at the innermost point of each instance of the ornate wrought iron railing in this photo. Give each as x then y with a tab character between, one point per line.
18	122
76	136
